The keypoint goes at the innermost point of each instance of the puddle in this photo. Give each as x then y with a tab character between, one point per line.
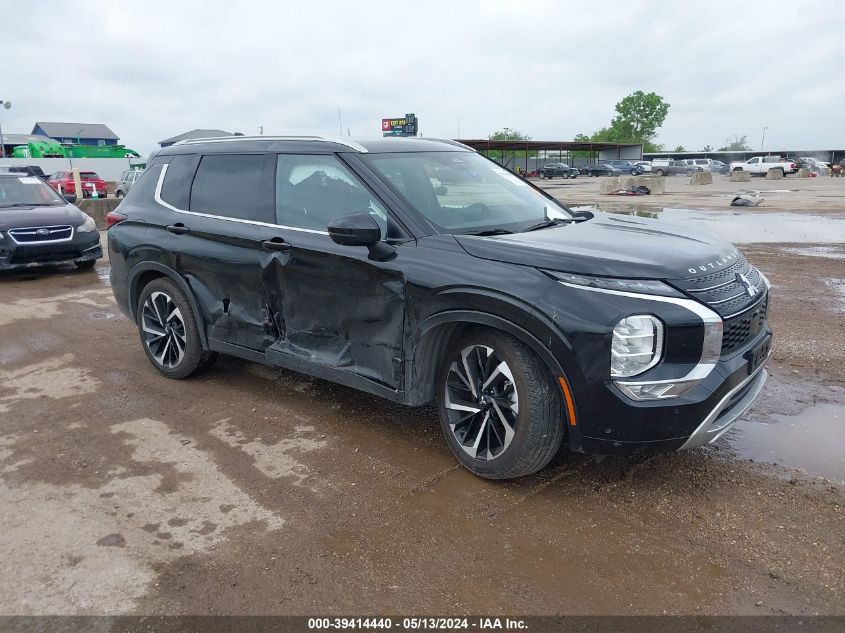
103	274
745	228
839	286
830	252
811	441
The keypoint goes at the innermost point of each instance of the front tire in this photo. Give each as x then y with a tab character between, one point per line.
169	332
500	410
542	175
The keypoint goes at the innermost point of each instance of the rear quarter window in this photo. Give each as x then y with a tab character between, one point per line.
230	185
176	188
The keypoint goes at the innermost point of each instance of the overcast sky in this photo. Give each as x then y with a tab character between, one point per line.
552	69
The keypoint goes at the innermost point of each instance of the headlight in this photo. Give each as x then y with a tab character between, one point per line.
87	226
637	345
641	286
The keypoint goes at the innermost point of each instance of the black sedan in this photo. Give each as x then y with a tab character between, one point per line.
601	169
38	226
550	170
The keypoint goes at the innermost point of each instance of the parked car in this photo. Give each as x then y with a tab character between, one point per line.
814	164
38	226
531	326
646	165
601	169
62	181
760	165
670	167
127	179
550	170
625	166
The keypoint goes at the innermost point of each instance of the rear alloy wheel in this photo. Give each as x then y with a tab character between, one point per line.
500	410
542	175
169	332
633	172
690	172
660	172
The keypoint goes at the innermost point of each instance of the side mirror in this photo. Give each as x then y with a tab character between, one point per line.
441	190
360	229
70	197
355	229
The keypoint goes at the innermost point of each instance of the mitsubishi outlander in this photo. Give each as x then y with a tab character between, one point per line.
419	270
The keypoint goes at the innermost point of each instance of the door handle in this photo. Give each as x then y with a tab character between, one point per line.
178	228
275	244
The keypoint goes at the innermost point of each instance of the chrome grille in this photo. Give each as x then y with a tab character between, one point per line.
744	327
41	234
724	291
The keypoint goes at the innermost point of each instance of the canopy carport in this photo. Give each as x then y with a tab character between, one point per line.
528	155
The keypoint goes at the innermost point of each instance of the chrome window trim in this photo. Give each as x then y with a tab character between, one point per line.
35	228
702	368
158	199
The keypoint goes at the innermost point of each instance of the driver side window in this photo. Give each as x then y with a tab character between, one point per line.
312	190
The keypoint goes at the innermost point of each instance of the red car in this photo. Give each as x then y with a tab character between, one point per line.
62	181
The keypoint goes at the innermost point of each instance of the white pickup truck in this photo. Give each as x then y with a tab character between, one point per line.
762	164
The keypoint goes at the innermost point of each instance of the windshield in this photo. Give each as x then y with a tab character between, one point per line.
26	191
462	192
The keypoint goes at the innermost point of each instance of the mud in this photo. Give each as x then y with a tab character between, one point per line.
254	490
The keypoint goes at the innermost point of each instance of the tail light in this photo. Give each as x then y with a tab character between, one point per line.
114	218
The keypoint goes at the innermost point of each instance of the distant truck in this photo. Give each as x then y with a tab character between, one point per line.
669	167
760	165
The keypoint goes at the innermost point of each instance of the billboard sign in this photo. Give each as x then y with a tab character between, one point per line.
400	126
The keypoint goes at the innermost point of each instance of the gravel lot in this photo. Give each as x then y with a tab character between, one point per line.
255	490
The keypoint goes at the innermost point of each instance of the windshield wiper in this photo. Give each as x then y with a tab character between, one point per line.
545	224
490	232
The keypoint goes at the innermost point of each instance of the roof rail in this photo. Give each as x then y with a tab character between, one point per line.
340	140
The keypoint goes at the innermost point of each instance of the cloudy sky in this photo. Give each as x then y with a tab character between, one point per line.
551	69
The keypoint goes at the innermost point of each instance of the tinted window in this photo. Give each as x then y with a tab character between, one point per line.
177	182
311	191
229	185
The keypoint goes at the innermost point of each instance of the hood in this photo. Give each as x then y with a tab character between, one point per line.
612	246
18	217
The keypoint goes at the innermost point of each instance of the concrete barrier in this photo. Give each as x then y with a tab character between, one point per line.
657	184
98	209
740	176
775	173
803	173
701	178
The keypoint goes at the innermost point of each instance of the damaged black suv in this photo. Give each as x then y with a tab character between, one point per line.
418	270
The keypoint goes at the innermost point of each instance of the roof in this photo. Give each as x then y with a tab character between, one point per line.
328	143
198	133
23	139
493	144
75	130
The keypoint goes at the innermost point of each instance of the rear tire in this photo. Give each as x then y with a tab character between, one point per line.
500	410
690	172
169	332
660	172
542	175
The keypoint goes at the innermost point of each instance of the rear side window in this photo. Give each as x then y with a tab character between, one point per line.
177	181
229	185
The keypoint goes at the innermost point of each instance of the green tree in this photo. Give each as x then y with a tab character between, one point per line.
680	148
507	134
638	116
707	148
737	144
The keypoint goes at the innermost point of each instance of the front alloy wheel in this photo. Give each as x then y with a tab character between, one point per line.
482	402
500	409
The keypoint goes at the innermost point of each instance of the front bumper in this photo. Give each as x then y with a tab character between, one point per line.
81	248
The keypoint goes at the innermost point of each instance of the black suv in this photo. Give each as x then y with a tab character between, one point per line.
38	226
550	170
529	324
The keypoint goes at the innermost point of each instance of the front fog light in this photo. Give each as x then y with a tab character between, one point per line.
637	345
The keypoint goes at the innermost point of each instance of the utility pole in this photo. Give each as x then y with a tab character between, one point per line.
6	105
339	122
763	140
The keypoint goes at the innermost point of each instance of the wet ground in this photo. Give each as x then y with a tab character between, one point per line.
255	490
